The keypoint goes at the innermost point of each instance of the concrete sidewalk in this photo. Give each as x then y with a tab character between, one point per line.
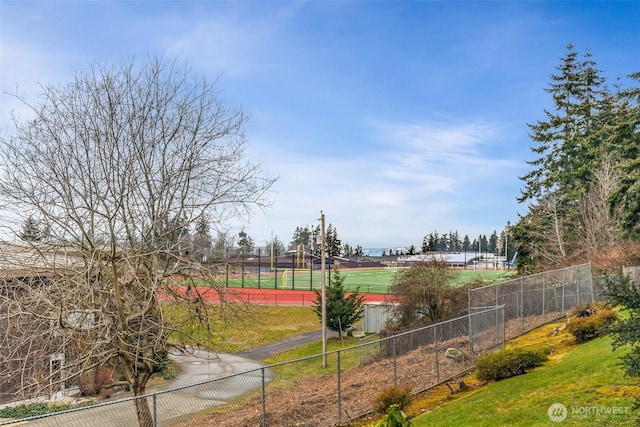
205	365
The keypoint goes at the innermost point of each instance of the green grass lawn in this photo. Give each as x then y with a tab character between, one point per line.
252	326
374	280
586	380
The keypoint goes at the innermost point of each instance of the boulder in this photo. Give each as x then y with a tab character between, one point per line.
454	354
357	334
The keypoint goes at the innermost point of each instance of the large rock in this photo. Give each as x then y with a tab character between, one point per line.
357	334
454	354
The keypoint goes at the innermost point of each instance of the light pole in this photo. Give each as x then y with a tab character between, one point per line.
323	267
243	244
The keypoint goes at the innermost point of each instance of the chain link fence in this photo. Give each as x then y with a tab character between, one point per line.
331	389
531	301
307	391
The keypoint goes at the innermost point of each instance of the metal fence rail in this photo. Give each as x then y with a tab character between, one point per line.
303	392
531	301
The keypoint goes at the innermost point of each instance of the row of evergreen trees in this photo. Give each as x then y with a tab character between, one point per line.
203	246
583	189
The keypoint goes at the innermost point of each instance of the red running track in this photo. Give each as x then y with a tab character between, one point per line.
273	296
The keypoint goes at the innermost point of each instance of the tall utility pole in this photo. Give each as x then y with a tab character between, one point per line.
323	267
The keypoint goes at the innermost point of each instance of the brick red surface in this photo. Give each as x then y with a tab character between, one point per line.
270	296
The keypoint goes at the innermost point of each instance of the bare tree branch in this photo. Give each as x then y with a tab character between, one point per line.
120	163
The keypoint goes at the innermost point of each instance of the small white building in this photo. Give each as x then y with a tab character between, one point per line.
376	315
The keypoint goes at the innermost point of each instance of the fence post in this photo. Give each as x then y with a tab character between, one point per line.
435	347
498	325
504	326
473	358
470	336
395	376
564	281
155	410
590	278
339	394
521	305
264	399
544	293
578	289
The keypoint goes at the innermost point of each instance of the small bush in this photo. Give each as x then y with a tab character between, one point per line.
398	396
586	328
508	363
161	361
35	409
394	418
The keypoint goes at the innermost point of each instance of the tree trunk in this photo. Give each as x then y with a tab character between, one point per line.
145	418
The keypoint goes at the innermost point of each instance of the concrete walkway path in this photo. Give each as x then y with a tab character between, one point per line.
203	365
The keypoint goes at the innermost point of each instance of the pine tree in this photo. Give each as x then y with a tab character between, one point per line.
202	242
624	135
569	150
620	290
334	244
245	244
564	143
466	244
32	230
493	242
342	310
425	244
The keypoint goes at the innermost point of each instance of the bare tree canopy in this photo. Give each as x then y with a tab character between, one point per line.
120	148
425	294
120	164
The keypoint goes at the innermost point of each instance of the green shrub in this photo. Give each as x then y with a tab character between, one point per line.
508	363
161	361
394	418
393	396
35	409
586	328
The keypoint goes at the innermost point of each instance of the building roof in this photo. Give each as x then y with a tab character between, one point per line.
20	259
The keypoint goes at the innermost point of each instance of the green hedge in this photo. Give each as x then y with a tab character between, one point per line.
508	363
393	396
34	409
588	327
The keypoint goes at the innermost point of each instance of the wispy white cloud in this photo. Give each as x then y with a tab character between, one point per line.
395	118
415	178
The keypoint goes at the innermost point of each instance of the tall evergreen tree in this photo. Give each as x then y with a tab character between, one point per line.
245	244
302	236
466	243
569	151
33	230
425	244
202	241
333	243
564	146
493	242
342	310
624	134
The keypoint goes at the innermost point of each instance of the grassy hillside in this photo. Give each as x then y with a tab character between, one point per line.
587	380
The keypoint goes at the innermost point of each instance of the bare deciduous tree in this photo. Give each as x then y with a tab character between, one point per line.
105	161
598	226
424	293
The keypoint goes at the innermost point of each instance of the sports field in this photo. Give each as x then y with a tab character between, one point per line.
369	280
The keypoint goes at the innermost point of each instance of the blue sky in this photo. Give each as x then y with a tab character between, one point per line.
394	118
